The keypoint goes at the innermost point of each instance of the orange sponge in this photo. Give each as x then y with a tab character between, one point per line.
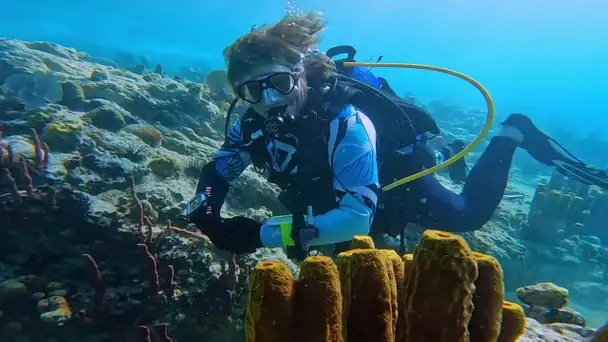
440	289
363	242
513	322
395	268
269	308
367	296
489	295
317	302
408	263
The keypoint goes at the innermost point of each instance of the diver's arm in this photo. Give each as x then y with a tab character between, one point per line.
440	208
356	185
219	174
355	180
237	234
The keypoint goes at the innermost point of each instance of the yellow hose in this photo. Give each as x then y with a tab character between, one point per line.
472	145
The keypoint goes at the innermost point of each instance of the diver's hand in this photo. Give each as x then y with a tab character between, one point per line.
236	234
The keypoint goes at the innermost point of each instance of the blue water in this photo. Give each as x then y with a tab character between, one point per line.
545	58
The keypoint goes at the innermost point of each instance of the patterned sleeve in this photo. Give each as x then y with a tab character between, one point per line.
230	162
352	154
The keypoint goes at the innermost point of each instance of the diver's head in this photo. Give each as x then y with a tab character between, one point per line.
271	68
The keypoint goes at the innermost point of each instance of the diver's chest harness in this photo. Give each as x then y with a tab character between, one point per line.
294	151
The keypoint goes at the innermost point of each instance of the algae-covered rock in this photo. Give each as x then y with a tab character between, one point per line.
178	142
577	329
54	310
164	166
107	117
35	89
569	316
98	75
72	94
21	148
12	288
63	136
537	332
53	49
152	77
121	94
547	295
110	166
146	133
39	117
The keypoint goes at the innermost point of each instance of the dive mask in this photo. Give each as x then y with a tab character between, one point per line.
283	82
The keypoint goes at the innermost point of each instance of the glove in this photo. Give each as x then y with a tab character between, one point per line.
236	234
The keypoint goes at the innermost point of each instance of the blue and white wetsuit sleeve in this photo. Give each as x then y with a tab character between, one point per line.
226	166
231	162
352	156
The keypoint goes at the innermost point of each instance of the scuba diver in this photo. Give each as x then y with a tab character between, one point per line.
330	142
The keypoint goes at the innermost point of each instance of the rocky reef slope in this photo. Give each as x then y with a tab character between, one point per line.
96	163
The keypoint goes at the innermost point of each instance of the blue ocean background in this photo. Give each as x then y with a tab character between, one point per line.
544	58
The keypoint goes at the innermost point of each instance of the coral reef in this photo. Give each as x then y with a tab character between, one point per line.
93	245
563	207
565	238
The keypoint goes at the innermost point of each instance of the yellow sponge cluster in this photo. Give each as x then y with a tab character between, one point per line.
443	292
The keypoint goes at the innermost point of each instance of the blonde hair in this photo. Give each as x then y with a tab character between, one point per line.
284	43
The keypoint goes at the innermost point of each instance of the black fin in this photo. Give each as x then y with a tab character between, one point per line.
583	173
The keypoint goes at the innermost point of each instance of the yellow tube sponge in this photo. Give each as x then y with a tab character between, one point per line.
363	242
513	322
602	334
317	302
367	302
440	289
489	295
408	263
343	262
270	306
395	265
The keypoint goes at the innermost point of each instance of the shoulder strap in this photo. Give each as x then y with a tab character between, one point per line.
396	120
